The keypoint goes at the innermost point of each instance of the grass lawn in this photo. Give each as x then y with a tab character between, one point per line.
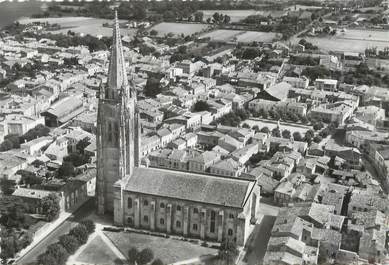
167	249
178	28
97	252
352	40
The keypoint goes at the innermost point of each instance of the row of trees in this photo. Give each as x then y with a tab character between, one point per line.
233	118
67	245
280	115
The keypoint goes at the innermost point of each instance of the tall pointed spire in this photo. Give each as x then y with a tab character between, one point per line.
117	77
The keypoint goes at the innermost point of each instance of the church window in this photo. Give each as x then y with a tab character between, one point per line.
162	221
178	208
194	227
178	224
145	203
129	221
109	131
145	219
195	210
162	205
230	232
116	132
231	216
213	222
129	203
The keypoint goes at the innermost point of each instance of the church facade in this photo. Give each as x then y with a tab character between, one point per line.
173	202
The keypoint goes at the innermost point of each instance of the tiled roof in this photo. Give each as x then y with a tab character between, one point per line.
189	186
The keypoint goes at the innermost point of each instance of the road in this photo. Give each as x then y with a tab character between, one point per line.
84	211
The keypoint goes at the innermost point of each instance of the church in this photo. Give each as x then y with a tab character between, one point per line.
187	204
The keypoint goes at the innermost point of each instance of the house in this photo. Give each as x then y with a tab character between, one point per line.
297	82
10	164
63	111
229	143
326	84
336	112
209	139
363	201
33	198
203	161
243	155
19	124
35	146
370	114
227	168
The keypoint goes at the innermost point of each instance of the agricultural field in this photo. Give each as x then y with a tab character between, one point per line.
81	25
240	36
352	40
178	28
235	15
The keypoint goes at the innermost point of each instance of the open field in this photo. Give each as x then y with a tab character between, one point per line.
240	36
81	25
352	40
178	28
273	124
164	248
235	15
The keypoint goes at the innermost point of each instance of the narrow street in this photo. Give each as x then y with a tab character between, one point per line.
31	256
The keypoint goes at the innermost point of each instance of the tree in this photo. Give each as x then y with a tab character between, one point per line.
70	243
227	19
66	169
46	259
80	233
265	130
286	134
199	16
318	126
200	105
7	186
245	125
50	206
36	132
256	128
228	251
132	255
82	144
157	262
276	132
152	87
153	32
145	256
297	136
317	139
89	225
58	252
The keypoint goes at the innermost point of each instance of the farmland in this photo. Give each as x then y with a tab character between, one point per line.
352	40
178	28
235	15
240	36
81	25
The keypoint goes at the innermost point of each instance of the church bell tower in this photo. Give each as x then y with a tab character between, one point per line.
118	133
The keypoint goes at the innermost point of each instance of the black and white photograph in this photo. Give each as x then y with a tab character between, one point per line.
194	132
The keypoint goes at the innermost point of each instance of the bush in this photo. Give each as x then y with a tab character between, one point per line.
70	243
317	139
80	233
50	207
89	224
46	259
297	136
133	255
157	262
286	134
265	130
145	256
58	252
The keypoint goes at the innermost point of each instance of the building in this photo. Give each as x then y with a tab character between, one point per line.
335	112
173	202
326	84
187	204
297	82
118	131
